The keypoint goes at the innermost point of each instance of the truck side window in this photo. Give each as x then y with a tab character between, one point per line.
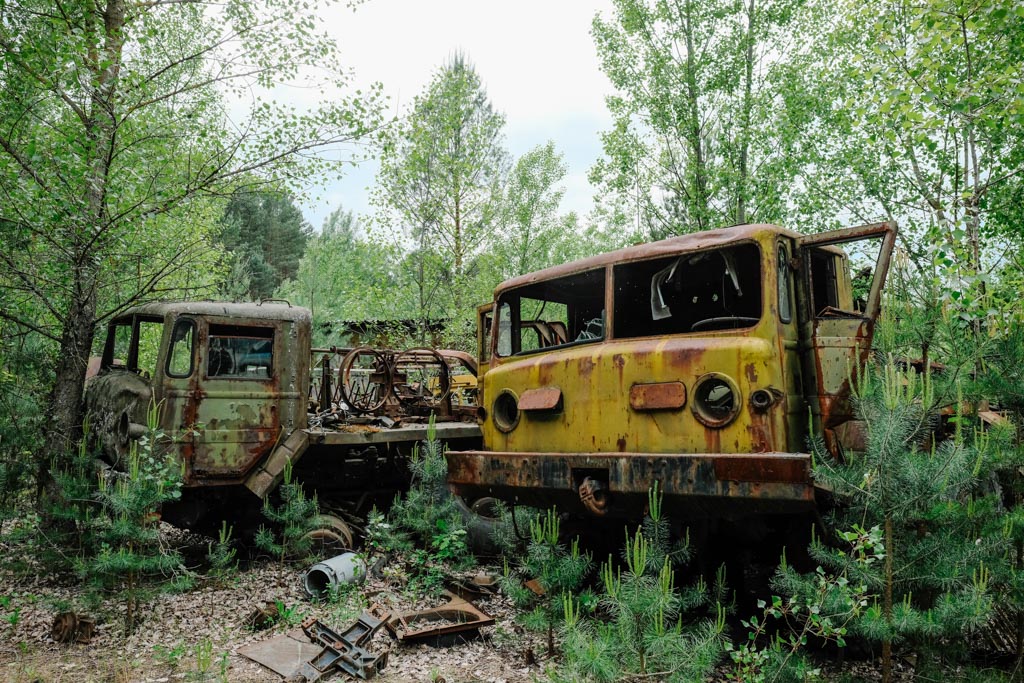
552	313
150	335
240	352
180	358
505	330
118	344
785	304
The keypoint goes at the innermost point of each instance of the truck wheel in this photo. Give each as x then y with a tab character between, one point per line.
331	537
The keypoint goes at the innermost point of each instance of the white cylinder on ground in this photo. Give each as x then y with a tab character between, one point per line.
339	570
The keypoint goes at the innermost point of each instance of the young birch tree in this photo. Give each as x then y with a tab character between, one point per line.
441	177
701	131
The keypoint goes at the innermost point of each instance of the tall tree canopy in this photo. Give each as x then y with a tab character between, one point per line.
266	235
115	145
701	133
440	177
924	122
343	275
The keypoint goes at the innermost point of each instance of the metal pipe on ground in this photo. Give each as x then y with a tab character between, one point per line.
324	576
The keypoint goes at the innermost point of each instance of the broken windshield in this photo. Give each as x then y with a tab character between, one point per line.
709	290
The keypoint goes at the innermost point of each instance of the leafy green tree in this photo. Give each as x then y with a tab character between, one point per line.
345	275
266	234
440	179
529	224
921	120
701	132
116	146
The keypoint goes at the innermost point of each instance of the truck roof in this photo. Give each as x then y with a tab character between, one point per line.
259	311
666	247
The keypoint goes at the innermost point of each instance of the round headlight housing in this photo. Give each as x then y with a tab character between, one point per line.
505	411
716	400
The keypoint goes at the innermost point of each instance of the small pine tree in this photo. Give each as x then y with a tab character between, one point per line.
652	629
293	519
221	554
426	524
131	560
556	569
932	504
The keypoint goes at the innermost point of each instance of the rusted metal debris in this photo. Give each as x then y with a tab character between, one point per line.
69	627
264	617
343	651
457	617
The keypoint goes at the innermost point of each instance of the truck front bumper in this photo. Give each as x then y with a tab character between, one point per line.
698	484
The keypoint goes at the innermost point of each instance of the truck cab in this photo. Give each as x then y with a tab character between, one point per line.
701	363
230	382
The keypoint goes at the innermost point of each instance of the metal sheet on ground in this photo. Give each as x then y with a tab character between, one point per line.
284	654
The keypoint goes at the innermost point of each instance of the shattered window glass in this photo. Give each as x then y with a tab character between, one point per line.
237	352
704	291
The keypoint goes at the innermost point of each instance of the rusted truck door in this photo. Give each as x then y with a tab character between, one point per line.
835	331
484	318
236	408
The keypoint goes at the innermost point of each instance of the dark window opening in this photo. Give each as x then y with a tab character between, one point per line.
239	352
181	356
841	278
697	292
824	280
785	297
551	314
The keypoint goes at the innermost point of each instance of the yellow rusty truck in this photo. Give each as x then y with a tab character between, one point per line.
701	362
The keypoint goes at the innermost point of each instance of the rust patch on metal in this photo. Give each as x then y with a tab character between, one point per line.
657	396
544	398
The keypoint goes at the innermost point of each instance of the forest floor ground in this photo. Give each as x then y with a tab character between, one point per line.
196	635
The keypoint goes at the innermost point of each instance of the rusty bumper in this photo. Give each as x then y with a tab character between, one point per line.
702	484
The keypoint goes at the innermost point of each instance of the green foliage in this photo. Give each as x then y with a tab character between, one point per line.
130	560
554	570
934	507
117	148
266	235
702	122
346	275
425	526
821	606
221	554
292	520
649	626
440	177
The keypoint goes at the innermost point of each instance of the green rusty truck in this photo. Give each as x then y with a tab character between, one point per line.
241	393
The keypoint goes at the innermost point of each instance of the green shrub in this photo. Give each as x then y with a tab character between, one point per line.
131	562
292	521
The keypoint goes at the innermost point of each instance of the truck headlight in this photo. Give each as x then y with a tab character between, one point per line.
506	411
716	400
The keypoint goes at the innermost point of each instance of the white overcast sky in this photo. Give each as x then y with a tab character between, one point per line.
536	58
